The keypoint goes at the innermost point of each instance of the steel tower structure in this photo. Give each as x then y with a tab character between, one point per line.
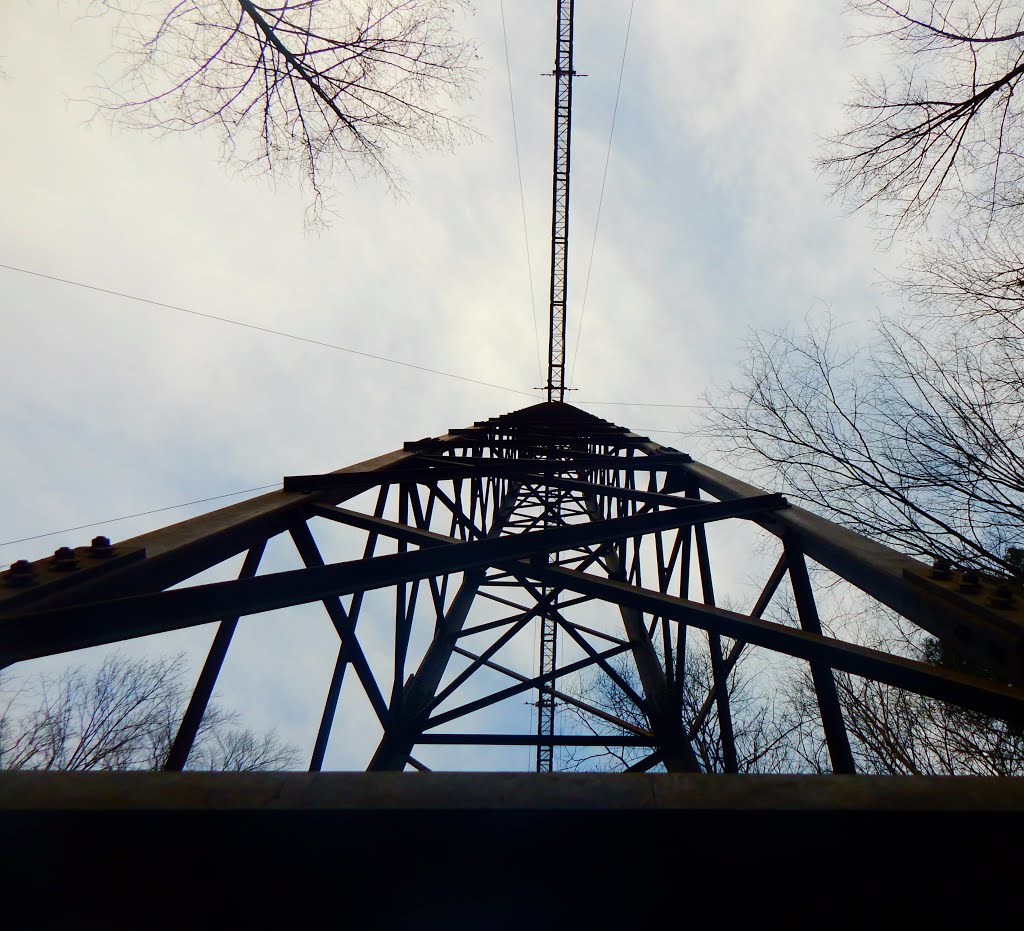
457	530
449	552
563	74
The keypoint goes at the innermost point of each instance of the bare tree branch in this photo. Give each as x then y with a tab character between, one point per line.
297	86
943	127
124	715
916	439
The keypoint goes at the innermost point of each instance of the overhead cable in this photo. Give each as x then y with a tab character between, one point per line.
263	329
114	520
600	200
522	196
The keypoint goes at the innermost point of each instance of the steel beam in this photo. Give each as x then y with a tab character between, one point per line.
984	634
38	634
836	738
969	691
185	738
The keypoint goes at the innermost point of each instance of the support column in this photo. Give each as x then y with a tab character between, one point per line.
417	695
666	724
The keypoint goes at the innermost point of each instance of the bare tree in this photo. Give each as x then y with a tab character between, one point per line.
915	438
303	85
943	125
914	433
761	732
974	279
237	750
123	715
896	732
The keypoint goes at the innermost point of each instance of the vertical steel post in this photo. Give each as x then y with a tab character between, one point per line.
831	709
719	669
192	720
548	650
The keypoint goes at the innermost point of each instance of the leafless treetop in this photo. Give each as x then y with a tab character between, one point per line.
300	86
943	126
916	438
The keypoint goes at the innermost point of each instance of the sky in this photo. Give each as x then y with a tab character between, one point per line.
713	221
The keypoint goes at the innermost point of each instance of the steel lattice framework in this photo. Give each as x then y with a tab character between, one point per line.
563	74
440	567
477	533
468	540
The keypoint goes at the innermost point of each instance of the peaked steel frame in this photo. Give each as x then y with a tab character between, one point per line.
528	515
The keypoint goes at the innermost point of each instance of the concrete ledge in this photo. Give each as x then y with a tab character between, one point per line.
455	851
58	791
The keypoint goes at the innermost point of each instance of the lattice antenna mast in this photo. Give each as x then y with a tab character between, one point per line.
563	75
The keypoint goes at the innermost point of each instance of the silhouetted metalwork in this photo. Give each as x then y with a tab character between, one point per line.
473	537
563	75
553	498
475	547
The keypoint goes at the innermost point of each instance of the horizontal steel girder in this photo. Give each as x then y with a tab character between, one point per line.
46	632
27	791
452	468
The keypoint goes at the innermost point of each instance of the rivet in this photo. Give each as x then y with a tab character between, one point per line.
64	559
20	574
100	547
971	581
1002	597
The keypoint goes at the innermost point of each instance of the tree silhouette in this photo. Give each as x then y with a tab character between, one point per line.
301	86
123	715
943	125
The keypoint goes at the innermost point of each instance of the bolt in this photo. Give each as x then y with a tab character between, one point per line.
64	559
21	573
940	568
100	547
1002	597
971	581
